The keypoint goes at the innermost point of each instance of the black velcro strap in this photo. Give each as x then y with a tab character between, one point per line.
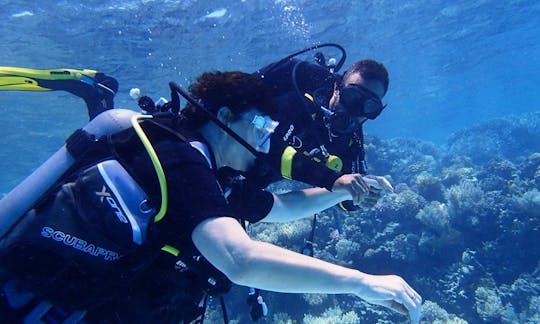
307	170
79	142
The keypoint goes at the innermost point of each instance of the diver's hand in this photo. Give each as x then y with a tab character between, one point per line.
382	181
392	292
354	184
378	186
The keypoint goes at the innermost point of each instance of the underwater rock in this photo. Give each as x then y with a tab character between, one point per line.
497	175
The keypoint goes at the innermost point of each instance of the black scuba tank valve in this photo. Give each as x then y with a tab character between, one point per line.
146	103
331	65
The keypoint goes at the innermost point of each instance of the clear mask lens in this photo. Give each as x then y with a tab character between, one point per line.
265	127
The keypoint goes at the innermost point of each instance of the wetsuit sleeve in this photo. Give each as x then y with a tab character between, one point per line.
246	197
301	167
251	204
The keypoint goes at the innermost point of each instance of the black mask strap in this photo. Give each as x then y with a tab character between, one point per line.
175	87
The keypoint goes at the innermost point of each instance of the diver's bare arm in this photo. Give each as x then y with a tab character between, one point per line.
257	264
303	203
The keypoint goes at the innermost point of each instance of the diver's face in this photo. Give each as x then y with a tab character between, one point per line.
374	86
255	128
353	102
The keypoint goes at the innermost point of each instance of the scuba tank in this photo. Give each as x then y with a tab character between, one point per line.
17	202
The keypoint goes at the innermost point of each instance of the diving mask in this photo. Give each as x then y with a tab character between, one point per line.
265	127
360	101
356	104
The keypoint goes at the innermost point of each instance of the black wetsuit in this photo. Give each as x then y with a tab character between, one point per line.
302	125
139	284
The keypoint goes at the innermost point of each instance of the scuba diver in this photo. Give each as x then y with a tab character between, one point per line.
320	116
138	227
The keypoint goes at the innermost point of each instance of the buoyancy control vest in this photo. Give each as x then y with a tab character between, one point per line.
97	230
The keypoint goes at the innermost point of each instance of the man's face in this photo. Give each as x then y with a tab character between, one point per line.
374	86
353	102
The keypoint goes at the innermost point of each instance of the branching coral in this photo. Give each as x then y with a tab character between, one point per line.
438	235
435	217
466	204
333	315
488	303
429	186
346	249
435	314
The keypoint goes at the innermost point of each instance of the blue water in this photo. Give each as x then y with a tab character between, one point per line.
453	65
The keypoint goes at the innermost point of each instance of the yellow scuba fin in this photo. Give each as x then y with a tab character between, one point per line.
20	83
15	78
95	88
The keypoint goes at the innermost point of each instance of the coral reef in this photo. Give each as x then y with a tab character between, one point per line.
462	227
510	138
333	315
435	314
488	303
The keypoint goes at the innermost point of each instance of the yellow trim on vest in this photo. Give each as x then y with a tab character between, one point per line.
286	162
333	162
157	165
310	97
170	249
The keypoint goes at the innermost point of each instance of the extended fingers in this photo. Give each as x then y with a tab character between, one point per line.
412	301
404	300
385	184
406	307
361	182
393	305
382	181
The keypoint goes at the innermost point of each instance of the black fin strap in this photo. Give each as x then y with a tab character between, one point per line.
79	142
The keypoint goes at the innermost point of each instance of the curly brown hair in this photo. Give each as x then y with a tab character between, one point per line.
236	90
